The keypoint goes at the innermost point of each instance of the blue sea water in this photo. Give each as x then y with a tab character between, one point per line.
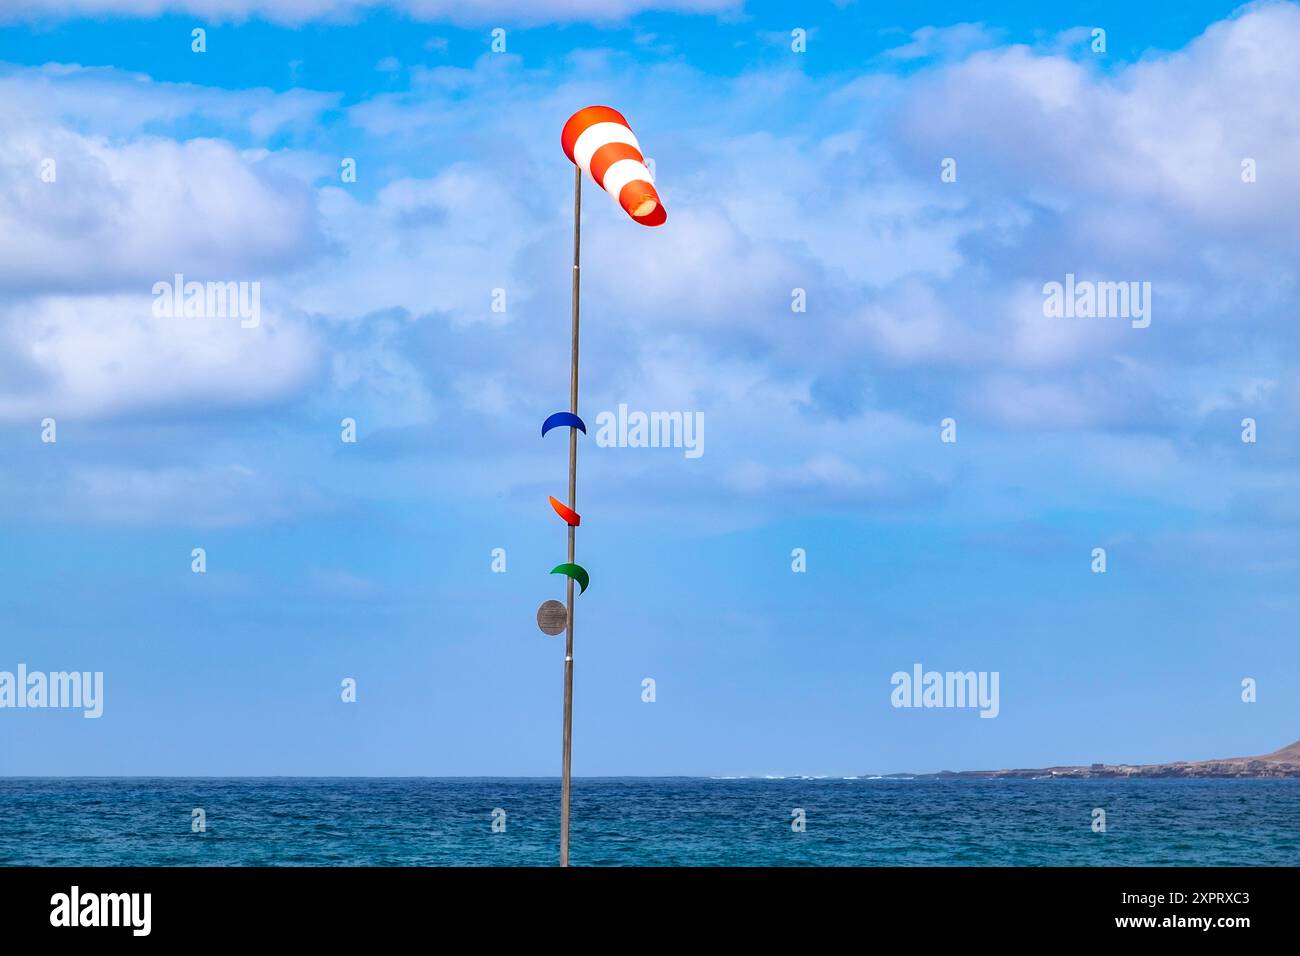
678	821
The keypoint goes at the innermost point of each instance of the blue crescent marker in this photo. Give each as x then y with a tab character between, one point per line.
564	418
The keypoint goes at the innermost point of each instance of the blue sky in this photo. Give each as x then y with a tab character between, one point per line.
780	170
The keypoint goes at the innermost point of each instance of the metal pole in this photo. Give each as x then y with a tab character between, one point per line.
573	503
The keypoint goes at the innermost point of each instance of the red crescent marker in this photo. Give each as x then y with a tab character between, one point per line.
568	514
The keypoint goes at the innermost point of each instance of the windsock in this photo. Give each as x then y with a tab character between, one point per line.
601	143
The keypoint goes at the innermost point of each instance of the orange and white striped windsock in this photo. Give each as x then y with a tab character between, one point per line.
601	143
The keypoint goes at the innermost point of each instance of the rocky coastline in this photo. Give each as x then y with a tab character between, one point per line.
1279	764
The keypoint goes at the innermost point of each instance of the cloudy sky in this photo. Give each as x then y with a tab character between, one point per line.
781	170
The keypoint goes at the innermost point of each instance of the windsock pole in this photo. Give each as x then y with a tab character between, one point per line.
567	761
599	142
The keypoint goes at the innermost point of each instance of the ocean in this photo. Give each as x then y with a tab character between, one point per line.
646	821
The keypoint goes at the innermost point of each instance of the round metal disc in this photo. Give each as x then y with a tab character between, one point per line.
552	617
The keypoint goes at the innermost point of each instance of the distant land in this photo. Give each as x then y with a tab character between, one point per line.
1280	763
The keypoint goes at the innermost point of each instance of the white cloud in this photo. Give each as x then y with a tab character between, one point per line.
217	495
1169	131
956	40
299	11
96	357
427	245
923	297
124	216
92	204
114	103
91	220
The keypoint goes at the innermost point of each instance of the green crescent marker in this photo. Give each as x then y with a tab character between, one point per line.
575	571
